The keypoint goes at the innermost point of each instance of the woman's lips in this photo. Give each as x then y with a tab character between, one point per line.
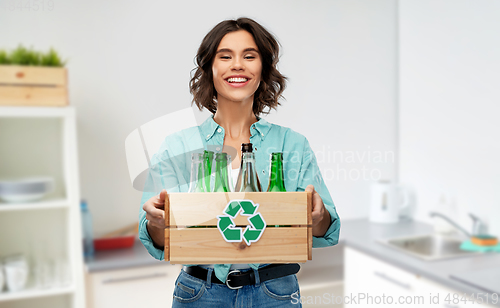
237	84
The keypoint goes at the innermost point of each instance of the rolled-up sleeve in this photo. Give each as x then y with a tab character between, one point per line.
161	175
168	169
310	174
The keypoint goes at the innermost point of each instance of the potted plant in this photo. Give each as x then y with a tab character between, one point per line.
32	78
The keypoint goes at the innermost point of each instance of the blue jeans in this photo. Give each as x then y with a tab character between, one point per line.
193	292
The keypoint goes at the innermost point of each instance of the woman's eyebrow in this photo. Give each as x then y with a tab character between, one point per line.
229	50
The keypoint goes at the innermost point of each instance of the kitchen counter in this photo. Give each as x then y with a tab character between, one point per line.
363	235
359	234
136	256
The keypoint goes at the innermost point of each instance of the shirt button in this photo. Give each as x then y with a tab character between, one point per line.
208	136
262	135
217	148
263	171
219	130
255	149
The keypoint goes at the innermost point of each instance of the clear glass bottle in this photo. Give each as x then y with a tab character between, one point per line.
223	181
87	233
247	178
197	183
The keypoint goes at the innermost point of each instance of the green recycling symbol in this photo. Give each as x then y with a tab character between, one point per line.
231	233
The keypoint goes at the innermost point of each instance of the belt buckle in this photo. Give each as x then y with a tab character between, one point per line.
227	280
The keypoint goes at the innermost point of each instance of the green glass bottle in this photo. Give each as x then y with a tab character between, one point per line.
208	157
276	178
222	174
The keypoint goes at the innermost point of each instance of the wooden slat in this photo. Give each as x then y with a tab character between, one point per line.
280	208
33	75
206	246
309	226
167	229
33	96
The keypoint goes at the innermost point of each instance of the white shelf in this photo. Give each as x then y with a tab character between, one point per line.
42	141
40	205
34	293
36	112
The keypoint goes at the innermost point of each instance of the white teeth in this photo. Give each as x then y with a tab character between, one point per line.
237	79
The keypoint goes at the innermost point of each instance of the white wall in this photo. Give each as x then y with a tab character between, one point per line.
449	105
129	63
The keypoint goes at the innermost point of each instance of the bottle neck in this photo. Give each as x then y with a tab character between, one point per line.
247	157
222	174
248	179
276	177
197	179
207	165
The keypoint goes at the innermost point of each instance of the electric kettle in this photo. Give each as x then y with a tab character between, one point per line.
387	201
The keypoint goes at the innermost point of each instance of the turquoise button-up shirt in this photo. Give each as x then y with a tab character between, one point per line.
170	169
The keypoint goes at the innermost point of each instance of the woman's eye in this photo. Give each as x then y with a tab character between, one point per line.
225	57
249	57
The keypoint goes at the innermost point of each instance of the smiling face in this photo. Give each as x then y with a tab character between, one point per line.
237	68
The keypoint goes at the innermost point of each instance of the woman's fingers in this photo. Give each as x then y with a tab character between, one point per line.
318	208
154	210
156	218
310	188
155	213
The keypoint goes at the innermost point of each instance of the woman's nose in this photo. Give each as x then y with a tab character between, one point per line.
237	64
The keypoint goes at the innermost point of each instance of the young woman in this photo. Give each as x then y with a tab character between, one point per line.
236	79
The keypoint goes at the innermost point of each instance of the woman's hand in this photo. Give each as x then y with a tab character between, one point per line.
320	216
155	214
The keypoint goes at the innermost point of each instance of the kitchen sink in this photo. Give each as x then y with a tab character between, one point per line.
429	246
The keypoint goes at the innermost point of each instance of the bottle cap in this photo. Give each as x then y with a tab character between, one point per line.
277	155
246	148
197	156
83	204
221	156
208	154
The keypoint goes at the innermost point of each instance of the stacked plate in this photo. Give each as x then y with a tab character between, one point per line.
25	190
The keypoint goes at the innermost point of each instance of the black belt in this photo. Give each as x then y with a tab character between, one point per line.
236	279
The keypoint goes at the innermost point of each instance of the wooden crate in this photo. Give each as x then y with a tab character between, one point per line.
33	86
205	244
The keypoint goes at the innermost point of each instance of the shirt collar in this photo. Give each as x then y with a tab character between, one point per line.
262	127
209	127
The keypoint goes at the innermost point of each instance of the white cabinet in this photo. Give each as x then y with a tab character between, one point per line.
42	142
448	298
370	282
147	286
321	280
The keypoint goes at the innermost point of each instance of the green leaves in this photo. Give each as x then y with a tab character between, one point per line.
24	56
51	58
4	57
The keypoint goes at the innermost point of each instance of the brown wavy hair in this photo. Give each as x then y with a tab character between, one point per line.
273	82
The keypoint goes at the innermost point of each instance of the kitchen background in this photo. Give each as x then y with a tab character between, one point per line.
129	63
399	90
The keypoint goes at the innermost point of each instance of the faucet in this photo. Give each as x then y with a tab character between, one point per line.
479	227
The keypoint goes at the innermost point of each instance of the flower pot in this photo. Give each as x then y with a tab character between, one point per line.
33	86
